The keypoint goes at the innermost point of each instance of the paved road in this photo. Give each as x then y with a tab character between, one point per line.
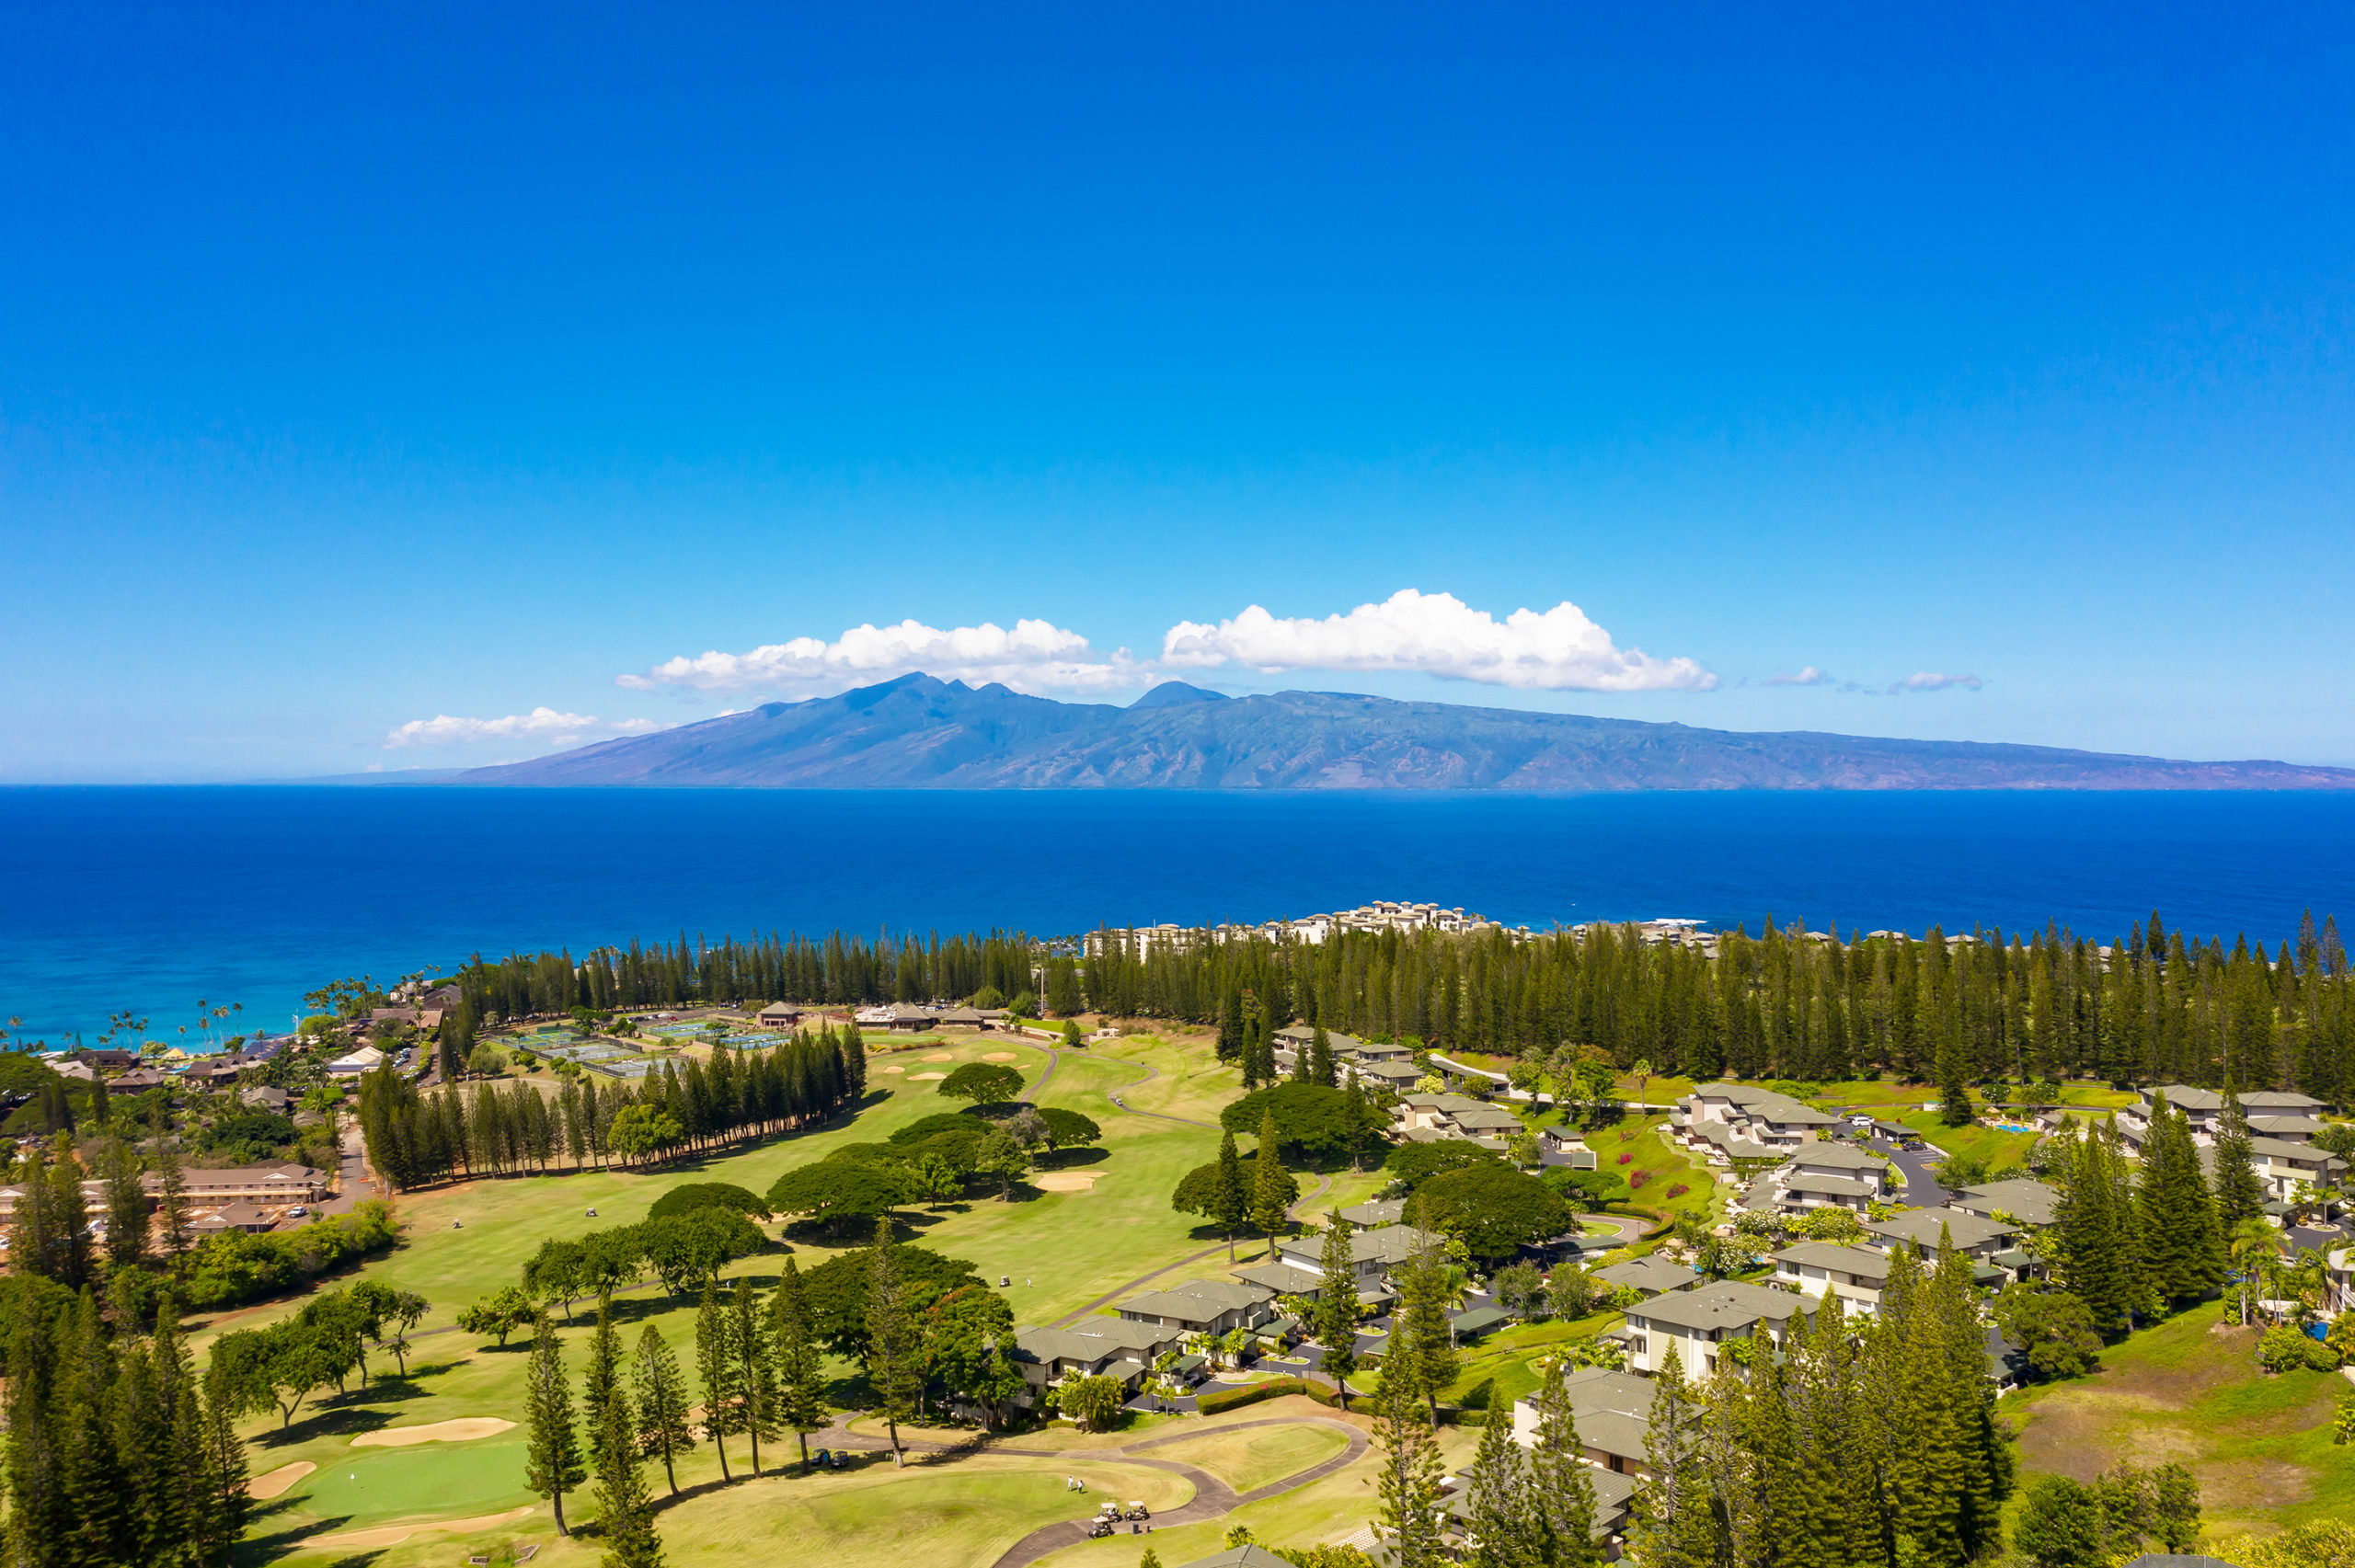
1922	1189
351	1181
1213	1497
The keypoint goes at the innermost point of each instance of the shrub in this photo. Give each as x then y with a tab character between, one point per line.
1636	1183
233	1268
1679	1190
2322	1358
2281	1349
689	1197
1626	1159
1228	1398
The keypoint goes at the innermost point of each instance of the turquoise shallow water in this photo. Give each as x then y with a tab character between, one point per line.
149	899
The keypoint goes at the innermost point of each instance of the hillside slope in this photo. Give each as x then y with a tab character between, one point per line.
917	732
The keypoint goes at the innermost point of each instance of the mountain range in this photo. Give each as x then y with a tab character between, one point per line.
922	733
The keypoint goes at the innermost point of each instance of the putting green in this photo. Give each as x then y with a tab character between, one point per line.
385	1483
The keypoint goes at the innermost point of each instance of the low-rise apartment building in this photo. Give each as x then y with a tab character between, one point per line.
1697	1324
1856	1274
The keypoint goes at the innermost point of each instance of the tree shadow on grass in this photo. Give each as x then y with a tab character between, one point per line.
268	1545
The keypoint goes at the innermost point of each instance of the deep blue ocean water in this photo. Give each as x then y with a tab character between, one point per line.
147	899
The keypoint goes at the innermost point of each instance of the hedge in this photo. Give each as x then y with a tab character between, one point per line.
233	1268
1228	1398
1274	1388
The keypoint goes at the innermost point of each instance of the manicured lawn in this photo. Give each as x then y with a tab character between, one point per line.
1664	1164
1063	1250
1997	1148
1252	1458
2260	1447
1503	1367
959	1513
1325	1510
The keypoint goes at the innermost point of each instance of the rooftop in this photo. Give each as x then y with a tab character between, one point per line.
2030	1200
1922	1226
1862	1261
1726	1305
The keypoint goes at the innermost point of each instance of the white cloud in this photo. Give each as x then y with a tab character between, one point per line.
1924	681
1035	655
1809	676
1437	634
540	723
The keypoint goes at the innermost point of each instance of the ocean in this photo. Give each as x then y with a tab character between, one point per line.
146	899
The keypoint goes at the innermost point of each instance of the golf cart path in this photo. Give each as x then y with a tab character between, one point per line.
1213	1497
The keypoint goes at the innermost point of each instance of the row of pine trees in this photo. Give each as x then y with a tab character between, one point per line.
1792	1003
841	970
415	1136
2152	1005
116	1455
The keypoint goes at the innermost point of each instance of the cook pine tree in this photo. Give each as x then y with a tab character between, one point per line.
664	1430
1268	1184
1336	1312
894	1338
756	1355
552	1453
801	1370
716	1369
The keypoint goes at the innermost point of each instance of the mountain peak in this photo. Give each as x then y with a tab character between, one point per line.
1173	693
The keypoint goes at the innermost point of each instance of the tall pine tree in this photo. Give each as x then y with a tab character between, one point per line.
552	1464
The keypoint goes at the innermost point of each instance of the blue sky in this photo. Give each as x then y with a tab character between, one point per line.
360	371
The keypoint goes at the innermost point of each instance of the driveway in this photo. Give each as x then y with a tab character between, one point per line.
351	1179
1922	1189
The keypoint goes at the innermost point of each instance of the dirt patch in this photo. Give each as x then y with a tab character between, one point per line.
941	1055
393	1535
999	1055
262	1488
913	1076
1065	1181
459	1431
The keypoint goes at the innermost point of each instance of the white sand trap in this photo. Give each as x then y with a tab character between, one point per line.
1000	1055
915	1076
393	1535
895	1069
941	1055
459	1431
1065	1181
262	1488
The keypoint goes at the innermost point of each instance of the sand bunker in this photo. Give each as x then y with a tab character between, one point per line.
459	1431
895	1069
941	1055
1065	1181
393	1535
999	1055
264	1487
913	1076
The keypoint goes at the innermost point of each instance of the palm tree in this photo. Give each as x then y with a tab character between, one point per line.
2255	1255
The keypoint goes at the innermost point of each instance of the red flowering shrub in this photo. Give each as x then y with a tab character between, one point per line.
1679	1190
1636	1183
1624	1159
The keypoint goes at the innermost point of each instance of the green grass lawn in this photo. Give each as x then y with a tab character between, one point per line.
1324	1511
1503	1367
1995	1146
2259	1446
1255	1457
1072	1247
1664	1165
